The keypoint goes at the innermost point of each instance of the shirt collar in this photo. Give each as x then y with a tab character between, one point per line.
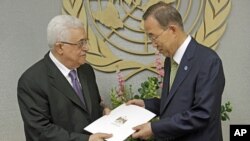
64	70
181	50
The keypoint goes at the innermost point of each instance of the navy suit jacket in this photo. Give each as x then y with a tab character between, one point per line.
190	111
50	108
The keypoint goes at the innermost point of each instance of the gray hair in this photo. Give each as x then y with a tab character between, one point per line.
58	28
165	14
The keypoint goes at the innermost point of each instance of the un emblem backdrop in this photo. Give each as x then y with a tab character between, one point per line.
116	36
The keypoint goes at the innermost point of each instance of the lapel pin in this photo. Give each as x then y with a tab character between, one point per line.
185	68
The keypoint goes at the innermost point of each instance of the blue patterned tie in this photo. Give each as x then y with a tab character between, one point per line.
76	85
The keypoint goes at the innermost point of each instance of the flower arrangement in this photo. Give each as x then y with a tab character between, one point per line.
121	94
148	89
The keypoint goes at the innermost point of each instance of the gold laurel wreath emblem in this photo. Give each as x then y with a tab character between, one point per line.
101	58
214	22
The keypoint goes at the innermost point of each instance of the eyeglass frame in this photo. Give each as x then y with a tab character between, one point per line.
79	44
153	38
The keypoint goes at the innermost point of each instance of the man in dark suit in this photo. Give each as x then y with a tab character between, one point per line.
54	106
189	107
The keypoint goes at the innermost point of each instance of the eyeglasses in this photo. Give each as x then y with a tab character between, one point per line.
153	38
79	44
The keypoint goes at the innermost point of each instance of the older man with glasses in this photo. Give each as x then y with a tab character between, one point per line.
189	107
58	96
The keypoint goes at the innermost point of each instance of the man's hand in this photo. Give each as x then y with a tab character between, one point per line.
106	111
143	131
137	102
99	136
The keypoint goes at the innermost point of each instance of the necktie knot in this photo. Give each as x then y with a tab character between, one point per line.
73	74
173	63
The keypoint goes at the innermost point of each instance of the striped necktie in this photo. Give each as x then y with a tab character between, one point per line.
76	85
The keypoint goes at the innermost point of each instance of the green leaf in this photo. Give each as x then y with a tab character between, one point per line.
136	97
222	109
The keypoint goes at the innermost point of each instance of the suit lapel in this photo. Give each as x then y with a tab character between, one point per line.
183	70
58	81
181	74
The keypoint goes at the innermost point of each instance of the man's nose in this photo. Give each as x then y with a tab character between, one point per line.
86	47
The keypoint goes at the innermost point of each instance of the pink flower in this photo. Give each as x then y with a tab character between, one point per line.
161	73
121	83
161	85
159	67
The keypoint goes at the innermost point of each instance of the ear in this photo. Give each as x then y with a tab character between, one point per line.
173	28
58	48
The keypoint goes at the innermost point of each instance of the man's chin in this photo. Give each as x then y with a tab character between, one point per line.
84	61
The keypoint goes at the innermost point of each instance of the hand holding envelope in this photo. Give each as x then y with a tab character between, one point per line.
99	136
120	122
143	131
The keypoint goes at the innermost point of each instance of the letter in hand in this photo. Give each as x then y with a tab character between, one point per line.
143	131
137	102
99	136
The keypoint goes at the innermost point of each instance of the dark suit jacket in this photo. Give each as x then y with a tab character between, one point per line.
190	111
50	109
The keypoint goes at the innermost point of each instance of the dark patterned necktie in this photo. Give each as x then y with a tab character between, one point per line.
76	85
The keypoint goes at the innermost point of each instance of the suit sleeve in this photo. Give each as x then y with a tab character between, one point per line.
206	103
35	112
153	105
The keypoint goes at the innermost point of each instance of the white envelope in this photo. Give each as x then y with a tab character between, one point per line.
120	121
